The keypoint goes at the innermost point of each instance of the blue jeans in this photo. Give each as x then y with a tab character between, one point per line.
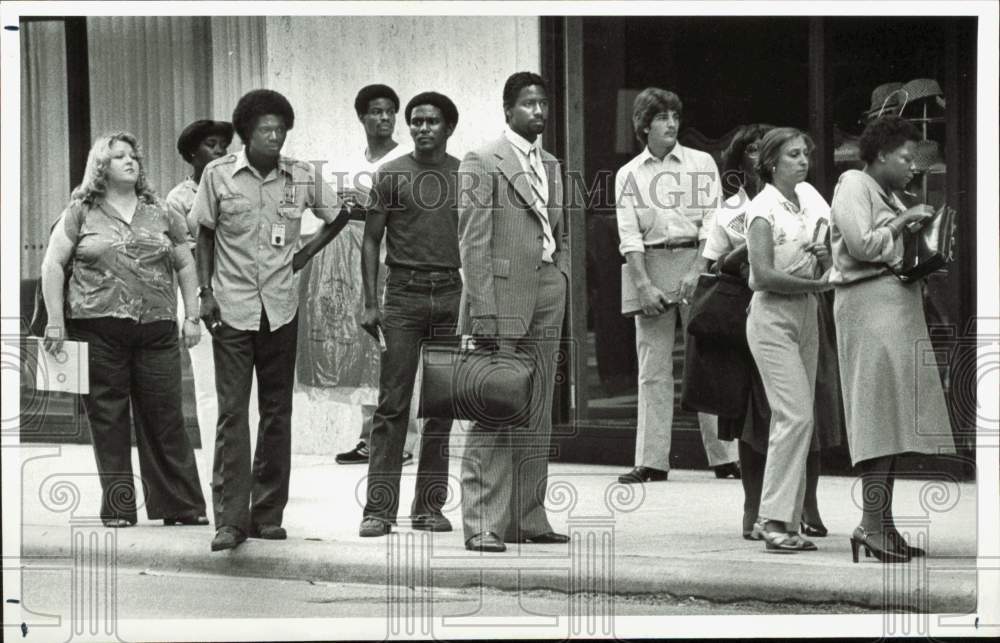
418	305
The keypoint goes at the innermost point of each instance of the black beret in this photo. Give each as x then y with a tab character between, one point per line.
196	132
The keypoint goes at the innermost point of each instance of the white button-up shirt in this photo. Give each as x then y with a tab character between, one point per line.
522	148
669	200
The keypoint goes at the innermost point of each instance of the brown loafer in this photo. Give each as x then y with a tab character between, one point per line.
486	541
227	537
269	532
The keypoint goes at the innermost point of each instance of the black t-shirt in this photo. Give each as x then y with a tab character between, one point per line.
420	205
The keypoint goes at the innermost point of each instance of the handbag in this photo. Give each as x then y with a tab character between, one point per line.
718	309
40	316
486	385
929	249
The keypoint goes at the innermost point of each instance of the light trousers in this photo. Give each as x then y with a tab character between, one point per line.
654	342
783	333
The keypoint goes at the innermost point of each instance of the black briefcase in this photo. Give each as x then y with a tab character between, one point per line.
485	385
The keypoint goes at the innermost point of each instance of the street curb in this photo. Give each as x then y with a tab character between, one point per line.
393	561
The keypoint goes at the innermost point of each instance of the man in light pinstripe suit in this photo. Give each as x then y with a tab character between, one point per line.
512	239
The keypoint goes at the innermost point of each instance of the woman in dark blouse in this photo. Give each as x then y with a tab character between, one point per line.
108	279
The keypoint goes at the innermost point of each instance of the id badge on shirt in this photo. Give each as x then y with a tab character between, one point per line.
278	235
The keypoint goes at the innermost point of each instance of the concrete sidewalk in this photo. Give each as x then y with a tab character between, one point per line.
680	537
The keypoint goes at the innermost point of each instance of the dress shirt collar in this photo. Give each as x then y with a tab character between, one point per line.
519	142
677	153
891	199
284	164
775	195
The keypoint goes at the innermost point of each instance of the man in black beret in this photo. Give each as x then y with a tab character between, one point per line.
199	144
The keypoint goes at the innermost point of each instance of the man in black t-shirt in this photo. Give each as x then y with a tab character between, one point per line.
415	203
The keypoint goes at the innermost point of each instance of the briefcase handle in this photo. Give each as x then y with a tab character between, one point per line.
468	344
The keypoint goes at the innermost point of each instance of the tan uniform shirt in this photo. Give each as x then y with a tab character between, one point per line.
257	222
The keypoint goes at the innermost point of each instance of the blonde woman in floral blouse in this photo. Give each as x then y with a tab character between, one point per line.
123	251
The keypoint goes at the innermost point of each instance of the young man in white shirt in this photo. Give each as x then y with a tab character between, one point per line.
666	199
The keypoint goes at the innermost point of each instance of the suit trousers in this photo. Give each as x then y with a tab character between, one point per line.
206	402
505	472
418	305
245	495
141	363
783	333
654	342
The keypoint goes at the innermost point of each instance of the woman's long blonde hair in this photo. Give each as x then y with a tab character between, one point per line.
94	185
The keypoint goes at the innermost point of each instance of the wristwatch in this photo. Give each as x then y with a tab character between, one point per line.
193	320
204	289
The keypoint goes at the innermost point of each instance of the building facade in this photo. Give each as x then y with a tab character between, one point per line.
153	75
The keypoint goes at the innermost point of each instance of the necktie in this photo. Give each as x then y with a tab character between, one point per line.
536	176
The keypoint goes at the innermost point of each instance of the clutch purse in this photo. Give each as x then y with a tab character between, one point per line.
718	309
485	385
929	249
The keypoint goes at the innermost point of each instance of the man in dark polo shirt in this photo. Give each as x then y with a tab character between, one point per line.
414	201
249	206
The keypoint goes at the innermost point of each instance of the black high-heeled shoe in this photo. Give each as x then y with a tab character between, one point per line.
900	544
813	531
861	538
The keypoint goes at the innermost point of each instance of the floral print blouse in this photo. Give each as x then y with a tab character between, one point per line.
121	269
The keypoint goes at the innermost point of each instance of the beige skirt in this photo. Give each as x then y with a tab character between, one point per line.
893	400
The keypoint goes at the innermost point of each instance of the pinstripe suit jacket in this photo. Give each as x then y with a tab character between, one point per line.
500	236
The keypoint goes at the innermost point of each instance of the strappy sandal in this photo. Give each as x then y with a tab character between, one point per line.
781	542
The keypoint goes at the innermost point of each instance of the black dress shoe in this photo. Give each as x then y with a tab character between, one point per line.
642	474
813	531
227	538
269	532
373	527
550	538
486	541
728	470
186	520
430	522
